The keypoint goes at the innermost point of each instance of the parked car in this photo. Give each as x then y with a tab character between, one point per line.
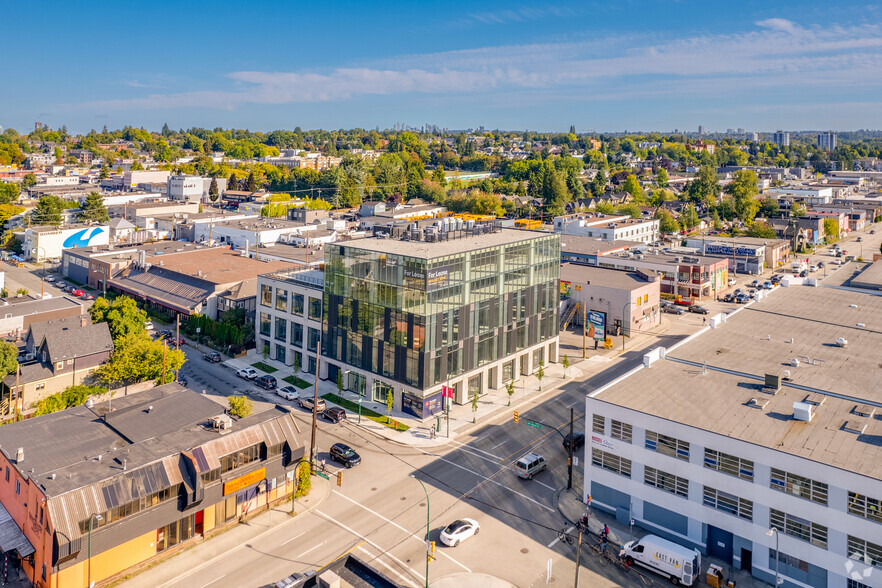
247	373
266	382
683	302
578	441
344	454
729	298
306	402
768	285
458	531
813	268
820	264
873	232
50	278
803	274
860	239
738	291
295	580
742	298
698	309
166	333
288	392
754	283
732	281
88	297
751	294
212	356
182	380
61	285
76	292
674	309
334	414
148	325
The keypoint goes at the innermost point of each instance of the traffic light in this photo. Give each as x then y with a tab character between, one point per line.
340	478
430	547
516	416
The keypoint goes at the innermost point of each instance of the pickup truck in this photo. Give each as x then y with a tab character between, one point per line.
247	373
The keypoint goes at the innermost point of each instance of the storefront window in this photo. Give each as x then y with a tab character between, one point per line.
508	371
381	390
177	532
475	385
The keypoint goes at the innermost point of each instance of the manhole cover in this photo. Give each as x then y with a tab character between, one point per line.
373	489
525	550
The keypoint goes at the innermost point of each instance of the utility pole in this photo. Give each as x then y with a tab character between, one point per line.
570	465
318	351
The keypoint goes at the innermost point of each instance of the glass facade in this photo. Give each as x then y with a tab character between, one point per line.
421	320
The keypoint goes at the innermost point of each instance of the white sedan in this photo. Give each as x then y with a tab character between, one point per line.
458	531
288	393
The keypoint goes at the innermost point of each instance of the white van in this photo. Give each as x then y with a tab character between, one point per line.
530	465
680	564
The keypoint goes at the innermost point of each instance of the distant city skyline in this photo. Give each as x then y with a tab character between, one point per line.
654	66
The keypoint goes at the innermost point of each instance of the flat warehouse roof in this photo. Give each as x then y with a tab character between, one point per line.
792	323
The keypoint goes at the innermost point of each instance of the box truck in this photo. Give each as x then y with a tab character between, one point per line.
680	564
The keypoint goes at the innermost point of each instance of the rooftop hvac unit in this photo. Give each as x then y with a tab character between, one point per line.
222	422
802	411
773	382
841	341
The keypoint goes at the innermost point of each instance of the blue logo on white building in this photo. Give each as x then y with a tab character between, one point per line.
82	238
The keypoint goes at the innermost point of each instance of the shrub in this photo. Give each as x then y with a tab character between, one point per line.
240	406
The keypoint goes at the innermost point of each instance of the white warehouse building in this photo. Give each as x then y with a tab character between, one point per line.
758	441
608	227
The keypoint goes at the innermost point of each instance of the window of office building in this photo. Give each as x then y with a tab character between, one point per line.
381	391
312	340
621	430
787	560
508	371
728	464
728	503
310	365
667	445
265	324
315	308
799	486
608	461
296	334
297	304
598	424
177	532
281	300
281	329
855	584
798	527
266	295
865	551
475	385
864	506
537	358
280	353
665	481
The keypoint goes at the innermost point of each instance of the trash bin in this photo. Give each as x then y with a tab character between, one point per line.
714	576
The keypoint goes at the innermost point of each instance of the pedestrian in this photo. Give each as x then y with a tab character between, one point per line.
323	464
704	320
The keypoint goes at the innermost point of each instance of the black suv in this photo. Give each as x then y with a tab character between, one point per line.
266	382
578	441
344	454
335	415
212	356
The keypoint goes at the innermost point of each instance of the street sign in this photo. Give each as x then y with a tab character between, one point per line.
534	425
325	476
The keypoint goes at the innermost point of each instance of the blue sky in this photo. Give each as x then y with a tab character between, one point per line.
605	66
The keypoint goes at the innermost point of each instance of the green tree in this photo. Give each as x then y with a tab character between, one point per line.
339	382
390	402
630	209
661	178
213	191
251	183
47	211
761	231
715	219
8	358
540	374
240	406
689	218
136	358
831	230
632	187
744	190
704	187
29	180
232	182
475	407
769	208
510	390
70	396
438	176
304	480
93	209
797	209
123	316
8	192
296	363
566	365
666	222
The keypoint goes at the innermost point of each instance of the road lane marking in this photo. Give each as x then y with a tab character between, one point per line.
504	441
391	522
380	549
485	478
313	548
376	559
553	543
293	538
469	448
215	580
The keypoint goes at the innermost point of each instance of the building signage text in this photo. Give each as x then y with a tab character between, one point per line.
244	481
438	278
602	442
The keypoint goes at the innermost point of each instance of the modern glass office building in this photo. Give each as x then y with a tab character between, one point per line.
413	312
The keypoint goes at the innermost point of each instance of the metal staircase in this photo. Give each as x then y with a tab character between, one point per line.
568	316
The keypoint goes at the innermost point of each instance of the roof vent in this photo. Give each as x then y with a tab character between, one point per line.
856	426
150	408
841	341
53	476
802	411
757	403
864	410
19	455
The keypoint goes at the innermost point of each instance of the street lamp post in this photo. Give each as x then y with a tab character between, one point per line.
770	532
623	323
43	272
427	526
99	518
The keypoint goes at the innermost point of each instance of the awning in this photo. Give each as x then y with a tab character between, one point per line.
11	536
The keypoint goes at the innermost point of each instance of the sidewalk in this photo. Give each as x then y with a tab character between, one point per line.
461	418
570	505
207	552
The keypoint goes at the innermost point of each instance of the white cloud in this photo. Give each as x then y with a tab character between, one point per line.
777	55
